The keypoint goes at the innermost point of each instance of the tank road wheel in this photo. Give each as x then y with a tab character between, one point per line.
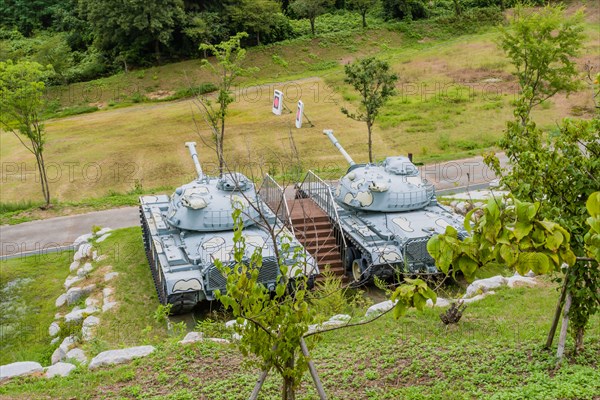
182	303
357	270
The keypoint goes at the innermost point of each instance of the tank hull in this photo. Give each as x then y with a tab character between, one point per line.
182	262
386	245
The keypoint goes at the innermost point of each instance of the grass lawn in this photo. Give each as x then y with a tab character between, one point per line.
494	353
454	96
133	321
28	288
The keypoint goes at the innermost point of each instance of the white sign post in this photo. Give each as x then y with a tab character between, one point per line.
299	114
277	102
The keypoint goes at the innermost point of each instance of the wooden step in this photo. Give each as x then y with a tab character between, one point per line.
314	230
312	241
311	221
311	233
307	219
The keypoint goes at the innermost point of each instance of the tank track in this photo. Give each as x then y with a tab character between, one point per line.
160	289
181	302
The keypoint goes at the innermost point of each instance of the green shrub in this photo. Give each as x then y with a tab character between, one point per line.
193	91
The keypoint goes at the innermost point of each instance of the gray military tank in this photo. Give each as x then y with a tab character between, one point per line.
185	234
387	214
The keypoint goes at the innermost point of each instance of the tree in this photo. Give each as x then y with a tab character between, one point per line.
273	324
362	6
255	16
559	170
205	27
229	56
28	15
310	9
404	9
375	82
132	27
516	234
541	45
22	101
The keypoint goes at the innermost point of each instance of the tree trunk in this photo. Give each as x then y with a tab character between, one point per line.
313	371
39	158
157	51
220	147
312	26
258	38
45	184
258	386
370	142
457	8
579	334
364	19
288	383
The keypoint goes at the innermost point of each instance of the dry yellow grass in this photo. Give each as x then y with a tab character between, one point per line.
449	106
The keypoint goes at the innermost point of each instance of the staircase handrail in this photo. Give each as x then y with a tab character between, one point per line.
325	201
271	192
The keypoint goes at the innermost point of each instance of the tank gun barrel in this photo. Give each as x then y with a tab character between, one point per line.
192	148
329	133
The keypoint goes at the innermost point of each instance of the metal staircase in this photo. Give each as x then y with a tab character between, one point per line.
309	216
315	231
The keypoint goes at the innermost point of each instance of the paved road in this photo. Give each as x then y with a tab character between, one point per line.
55	233
48	234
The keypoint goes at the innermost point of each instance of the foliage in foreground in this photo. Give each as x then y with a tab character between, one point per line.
273	323
493	353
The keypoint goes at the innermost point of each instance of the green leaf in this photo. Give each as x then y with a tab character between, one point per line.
467	222
536	262
468	266
508	254
419	301
593	204
554	241
492	210
568	256
433	246
399	309
522	229
430	294
548	225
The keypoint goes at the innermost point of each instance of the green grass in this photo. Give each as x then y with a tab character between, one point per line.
25	333
133	322
494	352
28	308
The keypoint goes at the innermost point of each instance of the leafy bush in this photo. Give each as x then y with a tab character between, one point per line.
404	9
341	21
192	91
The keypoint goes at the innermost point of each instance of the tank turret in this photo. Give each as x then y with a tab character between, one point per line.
393	185
206	204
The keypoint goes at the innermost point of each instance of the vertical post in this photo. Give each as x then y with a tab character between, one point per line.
557	312
563	329
258	386
313	370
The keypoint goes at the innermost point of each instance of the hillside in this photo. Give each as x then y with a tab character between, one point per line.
454	96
